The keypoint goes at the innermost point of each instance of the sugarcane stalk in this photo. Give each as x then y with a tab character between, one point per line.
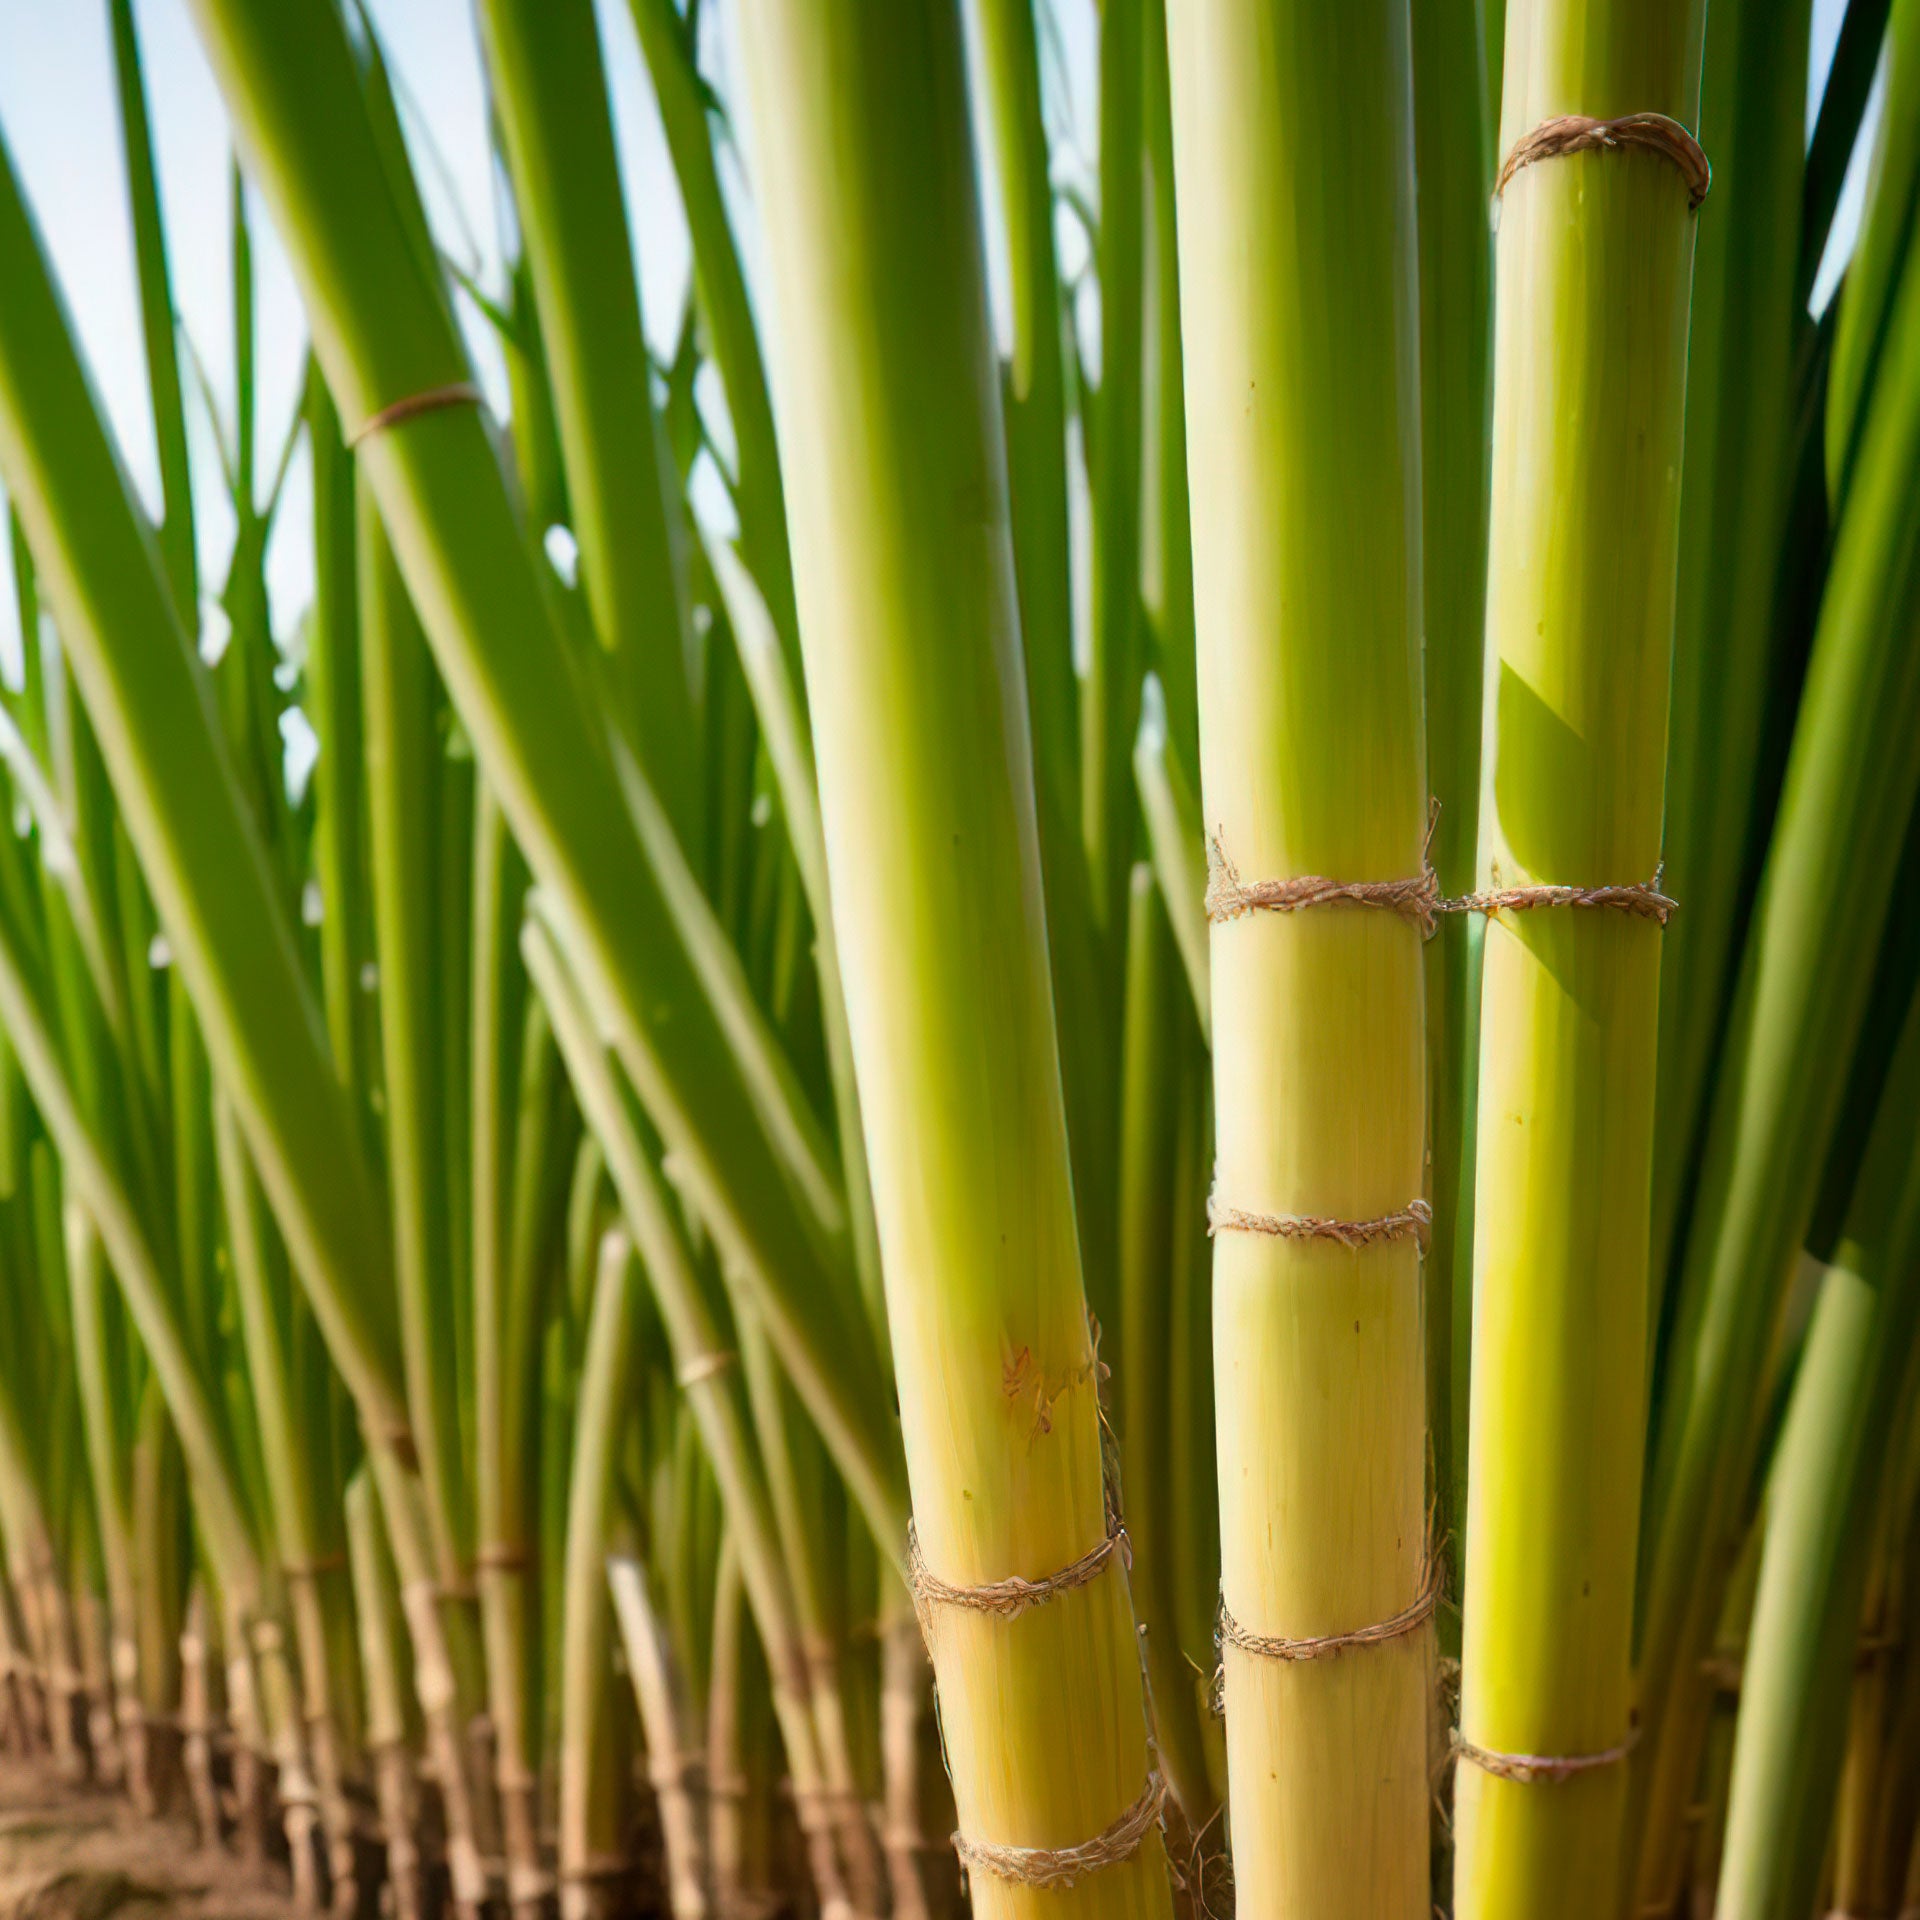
550	88
796	1470
1150	1121
1293	139
505	1350
158	1478
1036	418
783	729
293	1504
510	1446
592	1863
703	1366
1594	268
674	1752
158	320
892	443
383	1662
402	762
34	1566
1453	139
1734	494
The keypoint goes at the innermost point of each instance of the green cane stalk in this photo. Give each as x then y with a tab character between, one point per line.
1594	265
1293	139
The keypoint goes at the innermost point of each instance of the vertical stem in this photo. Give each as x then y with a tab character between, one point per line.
591	1860
1034	405
403	789
383	1661
891	434
1595	256
1149	1180
1453	137
673	1745
1735	489
1294	141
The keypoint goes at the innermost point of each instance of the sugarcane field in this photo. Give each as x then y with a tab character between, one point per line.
960	956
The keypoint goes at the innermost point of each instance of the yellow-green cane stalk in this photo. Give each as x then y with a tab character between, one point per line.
333	706
109	1444
1293	141
789	748
1594	264
403	750
889	410
33	1567
317	1592
515	1084
159	1500
159	322
93	1179
590	1807
811	1533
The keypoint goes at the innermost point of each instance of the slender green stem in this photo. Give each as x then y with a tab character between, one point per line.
550	86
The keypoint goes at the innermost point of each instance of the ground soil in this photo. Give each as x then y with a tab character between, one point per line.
77	1853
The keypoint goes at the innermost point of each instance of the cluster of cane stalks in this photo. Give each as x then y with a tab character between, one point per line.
1148	959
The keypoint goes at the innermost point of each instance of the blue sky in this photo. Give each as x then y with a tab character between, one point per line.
58	111
57	107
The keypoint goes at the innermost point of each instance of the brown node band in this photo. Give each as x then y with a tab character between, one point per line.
1414	1221
460	393
1530	1768
704	1366
1229	897
1062	1866
1011	1597
1646	902
1417	899
1578	133
1230	1633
